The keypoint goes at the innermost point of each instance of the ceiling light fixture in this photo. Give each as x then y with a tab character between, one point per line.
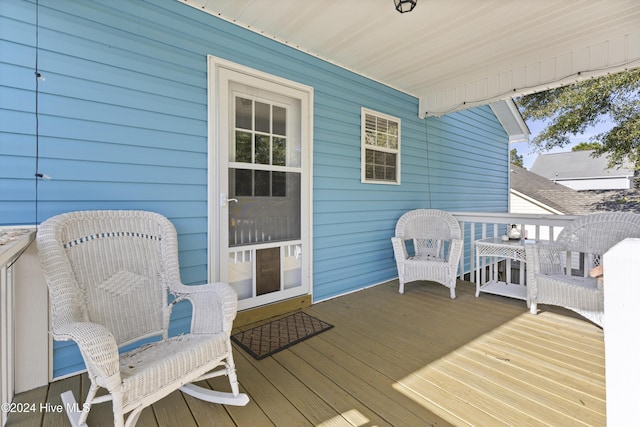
403	6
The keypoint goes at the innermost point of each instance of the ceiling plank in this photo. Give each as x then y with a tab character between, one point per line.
453	54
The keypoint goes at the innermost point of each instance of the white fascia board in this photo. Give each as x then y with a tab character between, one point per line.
511	120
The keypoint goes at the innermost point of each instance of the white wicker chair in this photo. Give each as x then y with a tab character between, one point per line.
587	238
109	275
436	248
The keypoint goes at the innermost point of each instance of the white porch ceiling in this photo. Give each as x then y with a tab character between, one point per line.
453	54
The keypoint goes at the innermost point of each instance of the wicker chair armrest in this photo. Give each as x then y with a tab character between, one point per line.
98	348
545	258
455	252
399	249
542	259
214	306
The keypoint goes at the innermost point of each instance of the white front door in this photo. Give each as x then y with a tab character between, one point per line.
261	185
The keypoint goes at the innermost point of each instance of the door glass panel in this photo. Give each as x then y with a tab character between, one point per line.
279	151
243	147
263	117
268	207
279	121
278	184
263	149
262	183
244	110
243	182
292	266
241	273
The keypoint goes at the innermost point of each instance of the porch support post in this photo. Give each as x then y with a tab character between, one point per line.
31	323
621	340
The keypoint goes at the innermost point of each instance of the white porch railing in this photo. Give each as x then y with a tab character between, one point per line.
480	225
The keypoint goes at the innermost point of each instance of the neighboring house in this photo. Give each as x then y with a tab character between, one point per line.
532	193
582	171
256	151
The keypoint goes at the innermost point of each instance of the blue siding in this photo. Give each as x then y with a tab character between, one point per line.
123	125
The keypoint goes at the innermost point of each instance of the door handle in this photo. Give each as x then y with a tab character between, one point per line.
224	201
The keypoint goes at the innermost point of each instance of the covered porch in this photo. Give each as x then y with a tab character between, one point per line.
413	359
125	124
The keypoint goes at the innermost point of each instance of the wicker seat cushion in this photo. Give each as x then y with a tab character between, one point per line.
581	293
150	367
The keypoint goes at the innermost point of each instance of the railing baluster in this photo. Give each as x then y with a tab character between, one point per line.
536	224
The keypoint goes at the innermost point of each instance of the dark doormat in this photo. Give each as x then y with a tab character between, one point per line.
275	336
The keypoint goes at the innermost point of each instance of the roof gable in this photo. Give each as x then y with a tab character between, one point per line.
556	196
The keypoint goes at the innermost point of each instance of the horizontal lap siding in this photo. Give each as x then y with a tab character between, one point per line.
123	125
353	221
468	162
17	103
122	122
468	165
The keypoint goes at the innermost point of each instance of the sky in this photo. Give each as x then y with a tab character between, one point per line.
528	152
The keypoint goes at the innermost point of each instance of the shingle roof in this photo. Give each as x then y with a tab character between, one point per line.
576	164
613	200
557	196
569	201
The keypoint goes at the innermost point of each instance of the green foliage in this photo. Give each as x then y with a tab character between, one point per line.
586	146
515	158
570	110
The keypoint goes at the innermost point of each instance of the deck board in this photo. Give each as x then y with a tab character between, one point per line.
203	412
414	359
345	407
34	416
368	386
279	407
59	418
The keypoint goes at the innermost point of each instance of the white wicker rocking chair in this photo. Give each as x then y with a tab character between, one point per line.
437	248
549	266
109	274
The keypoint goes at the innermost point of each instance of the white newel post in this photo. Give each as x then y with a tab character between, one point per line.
31	323
621	338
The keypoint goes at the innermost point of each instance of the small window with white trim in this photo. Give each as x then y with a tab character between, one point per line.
380	148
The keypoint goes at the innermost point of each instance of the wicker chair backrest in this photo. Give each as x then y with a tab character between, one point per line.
427	223
114	269
597	233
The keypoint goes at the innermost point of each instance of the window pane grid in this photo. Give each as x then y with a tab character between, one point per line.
381	132
380	166
260	183
260	133
381	146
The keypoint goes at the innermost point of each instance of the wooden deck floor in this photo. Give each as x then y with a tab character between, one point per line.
416	359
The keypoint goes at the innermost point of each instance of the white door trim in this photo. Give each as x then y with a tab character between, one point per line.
217	131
